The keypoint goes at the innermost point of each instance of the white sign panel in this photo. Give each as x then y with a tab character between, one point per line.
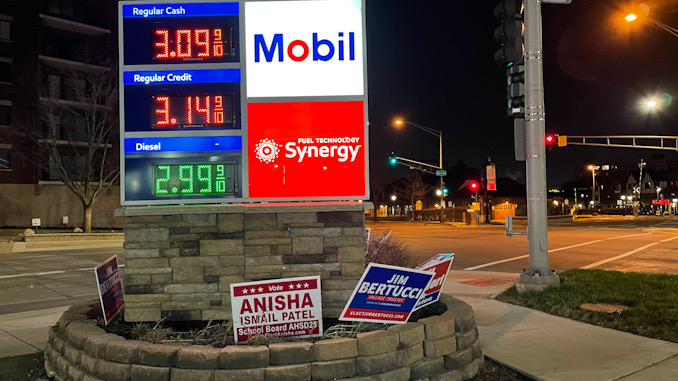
278	307
35	222
304	48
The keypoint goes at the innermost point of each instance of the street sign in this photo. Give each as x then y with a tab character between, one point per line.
189	134
441	172
386	294
562	140
35	222
290	307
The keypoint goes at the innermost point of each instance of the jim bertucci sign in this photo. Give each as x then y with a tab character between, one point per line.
386	294
280	307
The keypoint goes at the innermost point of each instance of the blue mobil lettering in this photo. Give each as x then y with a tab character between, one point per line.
277	47
171	77
170	11
395	287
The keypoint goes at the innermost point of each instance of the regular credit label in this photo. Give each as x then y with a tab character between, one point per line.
288	307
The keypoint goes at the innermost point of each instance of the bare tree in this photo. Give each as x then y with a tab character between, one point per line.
79	118
413	188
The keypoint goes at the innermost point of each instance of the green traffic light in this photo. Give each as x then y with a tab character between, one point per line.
445	191
393	161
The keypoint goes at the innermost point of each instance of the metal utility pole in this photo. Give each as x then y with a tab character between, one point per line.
538	275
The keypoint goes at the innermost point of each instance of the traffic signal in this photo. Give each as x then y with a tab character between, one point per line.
550	139
392	159
515	89
510	33
445	191
474	186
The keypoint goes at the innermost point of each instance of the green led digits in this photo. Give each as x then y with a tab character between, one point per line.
187	179
199	179
159	181
206	179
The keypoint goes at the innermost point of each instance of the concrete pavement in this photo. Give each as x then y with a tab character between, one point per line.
539	345
548	347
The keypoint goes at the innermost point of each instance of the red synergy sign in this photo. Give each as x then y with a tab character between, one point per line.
306	149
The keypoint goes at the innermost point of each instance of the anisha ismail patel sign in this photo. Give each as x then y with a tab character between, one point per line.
279	307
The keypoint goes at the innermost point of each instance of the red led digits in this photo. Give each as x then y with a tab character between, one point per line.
188	43
203	110
165	121
218	43
218	109
202	38
163	44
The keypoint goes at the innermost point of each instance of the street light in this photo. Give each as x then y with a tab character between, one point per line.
398	122
633	17
593	168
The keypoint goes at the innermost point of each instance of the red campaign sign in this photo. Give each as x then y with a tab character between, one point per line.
278	307
440	266
306	149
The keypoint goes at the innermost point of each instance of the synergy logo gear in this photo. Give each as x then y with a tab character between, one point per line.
267	150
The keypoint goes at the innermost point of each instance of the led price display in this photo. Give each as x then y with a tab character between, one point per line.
202	179
191	44
192	111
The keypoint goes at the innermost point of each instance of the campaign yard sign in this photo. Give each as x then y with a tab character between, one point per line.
440	266
386	294
279	307
110	288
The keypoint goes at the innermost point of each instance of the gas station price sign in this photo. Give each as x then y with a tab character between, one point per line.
188	111
242	100
180	32
199	179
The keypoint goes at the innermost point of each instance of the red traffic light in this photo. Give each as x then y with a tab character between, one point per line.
550	139
474	185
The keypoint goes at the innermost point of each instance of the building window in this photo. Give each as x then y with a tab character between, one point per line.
5	27
5	157
5	72
5	115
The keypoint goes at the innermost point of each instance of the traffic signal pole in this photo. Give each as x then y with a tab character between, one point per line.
537	275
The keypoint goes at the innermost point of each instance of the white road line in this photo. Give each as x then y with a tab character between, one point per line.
48	273
526	256
604	261
550	251
630	235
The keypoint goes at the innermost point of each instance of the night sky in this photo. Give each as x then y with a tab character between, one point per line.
431	62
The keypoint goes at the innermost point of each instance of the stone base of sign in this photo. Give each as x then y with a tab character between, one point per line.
444	347
180	261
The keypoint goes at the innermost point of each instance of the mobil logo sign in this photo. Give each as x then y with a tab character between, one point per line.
307	150
304	48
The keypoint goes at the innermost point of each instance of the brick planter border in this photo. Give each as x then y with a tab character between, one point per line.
444	347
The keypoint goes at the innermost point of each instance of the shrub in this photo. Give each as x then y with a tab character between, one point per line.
384	248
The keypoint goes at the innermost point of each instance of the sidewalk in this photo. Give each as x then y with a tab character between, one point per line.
542	346
548	347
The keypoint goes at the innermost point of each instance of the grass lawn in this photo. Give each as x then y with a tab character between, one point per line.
653	299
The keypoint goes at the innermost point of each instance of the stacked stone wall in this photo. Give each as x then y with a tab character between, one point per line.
180	261
444	347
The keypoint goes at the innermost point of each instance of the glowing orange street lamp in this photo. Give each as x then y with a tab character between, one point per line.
630	17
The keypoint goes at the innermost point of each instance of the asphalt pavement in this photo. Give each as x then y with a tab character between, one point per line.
539	345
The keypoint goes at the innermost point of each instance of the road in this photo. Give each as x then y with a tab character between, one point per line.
648	244
35	280
60	277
